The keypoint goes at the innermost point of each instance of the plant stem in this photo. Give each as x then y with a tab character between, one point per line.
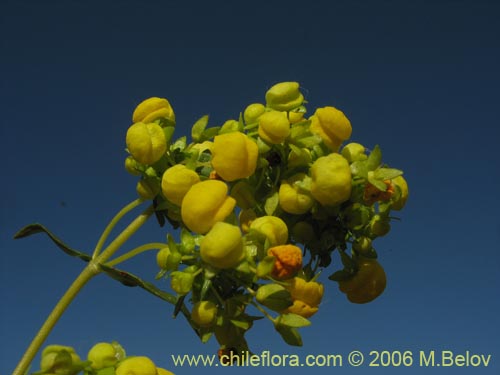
88	272
136	251
112	224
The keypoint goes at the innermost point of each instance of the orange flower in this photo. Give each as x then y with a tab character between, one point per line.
372	194
288	261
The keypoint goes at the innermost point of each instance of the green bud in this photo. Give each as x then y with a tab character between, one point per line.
148	188
252	113
230	126
284	96
103	355
132	166
362	245
61	360
181	282
274	297
379	226
354	152
356	216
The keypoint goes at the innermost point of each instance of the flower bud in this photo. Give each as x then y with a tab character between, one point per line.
295	117
131	166
61	360
136	366
176	182
273	228
300	158
205	204
401	198
152	109
292	198
306	296
230	126
148	188
253	112
222	247
332	126
288	261
162	257
204	313
273	296
146	142
354	152
274	127
234	156
181	282
331	180
284	96
379	226
362	245
103	355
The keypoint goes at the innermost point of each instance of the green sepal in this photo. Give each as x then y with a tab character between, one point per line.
198	128
39	228
387	173
209	133
374	159
272	204
289	334
187	242
169	132
293	320
131	280
179	144
265	266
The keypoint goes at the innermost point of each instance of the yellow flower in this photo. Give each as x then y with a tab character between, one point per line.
274	127
292	198
234	156
253	112
204	313
284	96
131	166
146	142
332	126
400	202
152	109
288	261
306	297
176	182
162	371
102	355
222	247
273	228
205	204
59	358
331	180
136	366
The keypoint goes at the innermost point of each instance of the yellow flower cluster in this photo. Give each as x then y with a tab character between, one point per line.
262	202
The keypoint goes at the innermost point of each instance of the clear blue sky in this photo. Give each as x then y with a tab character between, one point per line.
419	78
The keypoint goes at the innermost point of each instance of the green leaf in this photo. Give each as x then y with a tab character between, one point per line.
375	159
340	275
265	266
380	185
289	334
205	336
387	173
241	324
272	204
198	128
274	297
293	320
179	144
131	280
209	133
187	241
39	228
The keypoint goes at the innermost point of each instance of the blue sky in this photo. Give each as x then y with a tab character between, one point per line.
419	78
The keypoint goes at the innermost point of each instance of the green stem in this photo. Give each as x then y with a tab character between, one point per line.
136	251
88	272
266	314
112	224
